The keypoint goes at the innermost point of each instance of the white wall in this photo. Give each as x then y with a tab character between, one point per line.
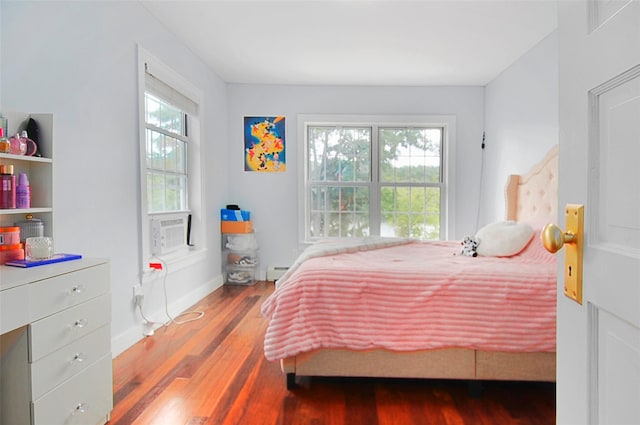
78	61
272	198
521	110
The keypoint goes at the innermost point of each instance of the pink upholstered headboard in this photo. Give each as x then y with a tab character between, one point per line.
533	197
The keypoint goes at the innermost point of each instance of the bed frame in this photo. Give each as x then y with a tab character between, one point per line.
531	197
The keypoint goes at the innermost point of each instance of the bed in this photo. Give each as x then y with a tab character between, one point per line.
398	308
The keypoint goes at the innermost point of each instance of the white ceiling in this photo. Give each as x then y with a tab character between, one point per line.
358	42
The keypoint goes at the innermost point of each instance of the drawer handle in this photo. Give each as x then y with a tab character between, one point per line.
80	408
81	323
79	357
78	289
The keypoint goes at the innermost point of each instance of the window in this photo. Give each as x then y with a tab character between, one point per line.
166	155
170	168
377	176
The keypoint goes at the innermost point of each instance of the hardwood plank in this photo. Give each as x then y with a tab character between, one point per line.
213	371
394	408
260	393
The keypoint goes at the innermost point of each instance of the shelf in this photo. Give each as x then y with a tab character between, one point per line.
17	211
25	158
39	169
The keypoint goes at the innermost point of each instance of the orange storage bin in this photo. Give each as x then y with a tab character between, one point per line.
9	236
11	252
236	226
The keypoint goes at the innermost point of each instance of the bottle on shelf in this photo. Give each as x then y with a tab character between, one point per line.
18	145
7	187
4	123
23	192
31	146
5	144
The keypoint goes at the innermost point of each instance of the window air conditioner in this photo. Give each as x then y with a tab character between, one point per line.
168	234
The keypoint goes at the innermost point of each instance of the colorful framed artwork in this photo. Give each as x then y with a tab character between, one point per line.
264	148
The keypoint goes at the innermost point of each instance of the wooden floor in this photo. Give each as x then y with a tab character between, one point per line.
212	371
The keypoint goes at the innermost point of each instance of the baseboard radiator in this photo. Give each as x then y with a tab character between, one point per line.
276	272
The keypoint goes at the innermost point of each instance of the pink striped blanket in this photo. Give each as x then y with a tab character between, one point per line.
405	295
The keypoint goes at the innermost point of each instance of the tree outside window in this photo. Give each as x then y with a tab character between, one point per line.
374	180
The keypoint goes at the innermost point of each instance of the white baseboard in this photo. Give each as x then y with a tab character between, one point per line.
135	333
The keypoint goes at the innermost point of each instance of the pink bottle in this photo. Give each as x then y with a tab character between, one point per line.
18	145
7	187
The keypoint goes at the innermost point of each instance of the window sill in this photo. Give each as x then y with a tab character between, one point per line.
174	261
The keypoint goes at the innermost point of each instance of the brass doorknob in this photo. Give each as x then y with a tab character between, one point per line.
553	238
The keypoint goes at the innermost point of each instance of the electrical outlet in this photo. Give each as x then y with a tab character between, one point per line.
138	294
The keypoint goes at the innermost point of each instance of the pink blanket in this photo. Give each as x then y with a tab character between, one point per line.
413	296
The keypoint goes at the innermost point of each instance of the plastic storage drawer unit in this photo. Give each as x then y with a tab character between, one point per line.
239	258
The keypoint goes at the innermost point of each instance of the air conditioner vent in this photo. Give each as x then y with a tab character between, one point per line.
168	234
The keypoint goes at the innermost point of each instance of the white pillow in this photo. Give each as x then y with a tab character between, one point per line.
503	239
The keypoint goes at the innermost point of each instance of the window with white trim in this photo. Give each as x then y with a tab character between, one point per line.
170	171
166	155
376	177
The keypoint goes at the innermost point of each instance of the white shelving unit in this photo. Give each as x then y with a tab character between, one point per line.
39	170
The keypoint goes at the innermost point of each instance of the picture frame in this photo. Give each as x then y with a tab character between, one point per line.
264	144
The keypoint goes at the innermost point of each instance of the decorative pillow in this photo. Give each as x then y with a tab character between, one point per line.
503	239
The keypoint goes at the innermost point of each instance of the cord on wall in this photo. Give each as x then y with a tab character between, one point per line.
150	325
480	188
198	314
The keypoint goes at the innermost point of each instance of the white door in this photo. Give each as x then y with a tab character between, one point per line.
599	166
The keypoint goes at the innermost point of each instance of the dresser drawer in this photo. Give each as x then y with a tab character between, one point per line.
69	360
60	292
84	399
58	330
13	313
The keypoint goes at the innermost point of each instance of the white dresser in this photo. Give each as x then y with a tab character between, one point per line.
55	344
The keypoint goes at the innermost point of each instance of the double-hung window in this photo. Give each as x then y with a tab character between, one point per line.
166	139
169	161
377	176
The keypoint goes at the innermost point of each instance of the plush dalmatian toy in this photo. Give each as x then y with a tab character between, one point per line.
469	246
